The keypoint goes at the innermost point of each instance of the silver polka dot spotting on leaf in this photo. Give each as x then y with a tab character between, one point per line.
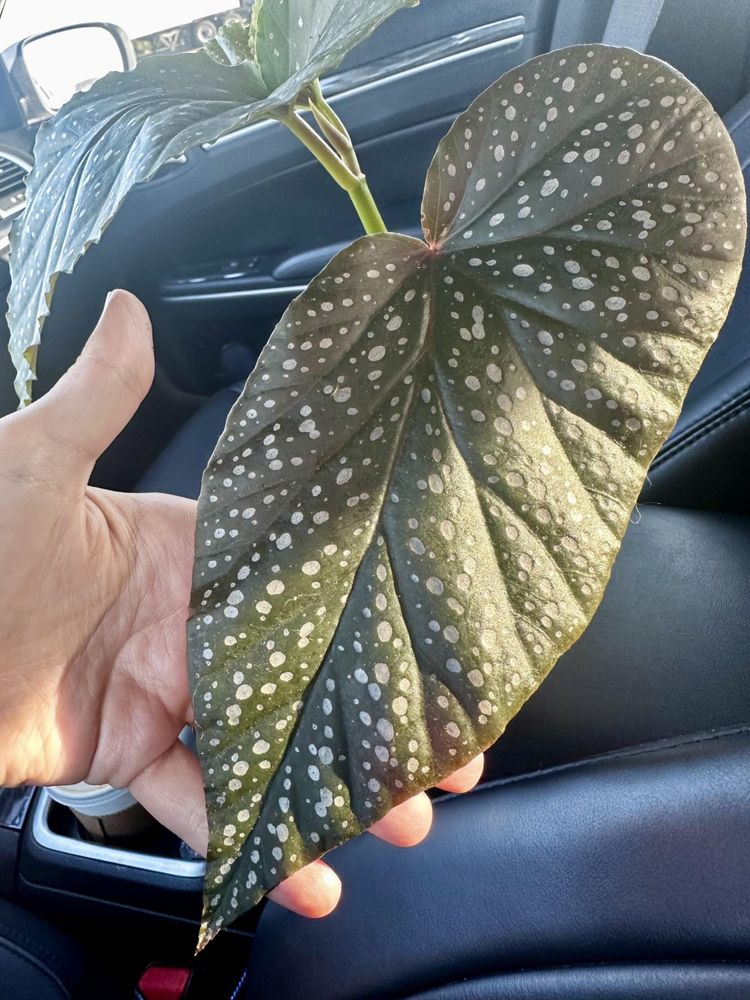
417	500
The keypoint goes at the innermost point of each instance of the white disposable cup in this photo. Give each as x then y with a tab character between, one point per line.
107	813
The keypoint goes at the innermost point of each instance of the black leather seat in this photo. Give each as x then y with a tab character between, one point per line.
606	855
603	862
41	962
622	878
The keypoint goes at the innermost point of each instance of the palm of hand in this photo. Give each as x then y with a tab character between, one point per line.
102	605
93	678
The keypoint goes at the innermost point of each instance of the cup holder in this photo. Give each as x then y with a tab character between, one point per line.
157	850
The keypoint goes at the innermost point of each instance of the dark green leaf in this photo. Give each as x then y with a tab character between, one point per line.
121	131
92	153
417	500
297	41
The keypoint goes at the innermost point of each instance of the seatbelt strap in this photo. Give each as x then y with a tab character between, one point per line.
632	22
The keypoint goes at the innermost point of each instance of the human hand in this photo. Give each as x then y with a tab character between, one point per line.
94	597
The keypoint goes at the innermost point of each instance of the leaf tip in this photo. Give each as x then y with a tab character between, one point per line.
206	935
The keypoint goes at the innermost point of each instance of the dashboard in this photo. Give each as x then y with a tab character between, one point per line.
191	36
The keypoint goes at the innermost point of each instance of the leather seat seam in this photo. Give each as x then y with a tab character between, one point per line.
706	423
12	936
35	964
576	966
626	753
703	428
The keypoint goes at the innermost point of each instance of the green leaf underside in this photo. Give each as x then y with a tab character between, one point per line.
89	156
416	503
293	34
121	131
234	43
288	39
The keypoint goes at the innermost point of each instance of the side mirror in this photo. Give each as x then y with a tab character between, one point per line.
49	68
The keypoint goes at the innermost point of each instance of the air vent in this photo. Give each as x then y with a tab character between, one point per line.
12	193
13	172
12	177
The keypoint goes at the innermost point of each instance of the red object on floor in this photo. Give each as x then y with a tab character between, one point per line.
163	982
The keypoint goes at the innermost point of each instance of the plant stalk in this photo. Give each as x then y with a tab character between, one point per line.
322	109
367	210
341	163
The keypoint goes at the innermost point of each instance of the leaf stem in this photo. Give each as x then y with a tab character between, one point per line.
367	210
320	149
337	156
322	109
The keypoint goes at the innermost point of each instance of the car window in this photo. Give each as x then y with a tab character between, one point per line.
164	25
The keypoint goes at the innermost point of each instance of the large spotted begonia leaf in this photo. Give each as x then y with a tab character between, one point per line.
417	500
121	131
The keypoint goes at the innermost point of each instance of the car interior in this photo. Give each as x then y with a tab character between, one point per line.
605	854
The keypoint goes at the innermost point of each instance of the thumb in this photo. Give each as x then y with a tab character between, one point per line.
98	395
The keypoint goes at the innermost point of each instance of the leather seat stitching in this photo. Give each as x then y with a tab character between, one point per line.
712	422
503	973
35	964
12	936
642	750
